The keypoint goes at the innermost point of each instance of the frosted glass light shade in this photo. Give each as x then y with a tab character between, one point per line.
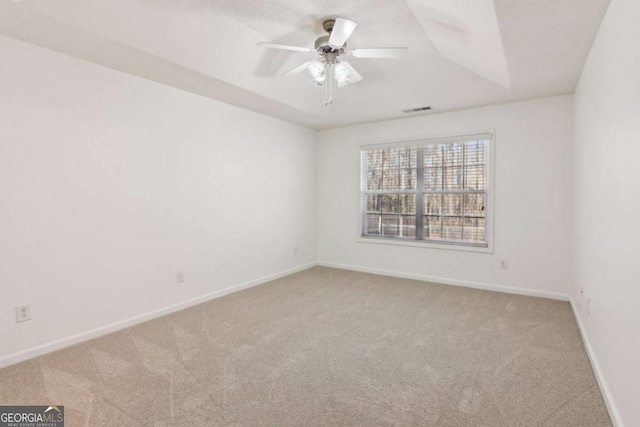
341	74
316	72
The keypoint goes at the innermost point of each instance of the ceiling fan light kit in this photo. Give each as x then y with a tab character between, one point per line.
329	69
324	71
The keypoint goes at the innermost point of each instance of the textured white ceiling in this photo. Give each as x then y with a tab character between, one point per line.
467	33
208	47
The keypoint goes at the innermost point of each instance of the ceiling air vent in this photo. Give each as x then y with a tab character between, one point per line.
417	110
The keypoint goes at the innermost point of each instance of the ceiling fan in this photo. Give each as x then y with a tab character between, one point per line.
329	67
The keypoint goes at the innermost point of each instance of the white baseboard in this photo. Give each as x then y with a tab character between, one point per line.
604	389
103	330
454	282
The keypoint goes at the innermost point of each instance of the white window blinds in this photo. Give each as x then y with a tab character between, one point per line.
433	190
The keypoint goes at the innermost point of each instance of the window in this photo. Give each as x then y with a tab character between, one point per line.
432	191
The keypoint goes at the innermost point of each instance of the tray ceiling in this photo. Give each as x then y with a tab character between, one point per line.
462	53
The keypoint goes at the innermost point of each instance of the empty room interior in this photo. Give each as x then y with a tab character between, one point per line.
328	213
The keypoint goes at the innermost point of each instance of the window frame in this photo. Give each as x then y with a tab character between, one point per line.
486	247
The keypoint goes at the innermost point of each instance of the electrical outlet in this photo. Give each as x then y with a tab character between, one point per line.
504	264
180	277
23	313
295	250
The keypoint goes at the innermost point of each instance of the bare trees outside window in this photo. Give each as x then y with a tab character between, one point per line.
432	190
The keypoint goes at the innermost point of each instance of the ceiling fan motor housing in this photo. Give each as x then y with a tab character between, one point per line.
322	46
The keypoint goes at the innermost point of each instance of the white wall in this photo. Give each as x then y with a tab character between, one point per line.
533	198
607	205
110	184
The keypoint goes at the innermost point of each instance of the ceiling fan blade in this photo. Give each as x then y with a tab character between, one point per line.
285	47
297	69
354	76
342	29
382	52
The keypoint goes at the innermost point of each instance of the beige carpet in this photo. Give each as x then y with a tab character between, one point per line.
329	347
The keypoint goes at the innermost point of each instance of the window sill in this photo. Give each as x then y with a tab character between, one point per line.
426	245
